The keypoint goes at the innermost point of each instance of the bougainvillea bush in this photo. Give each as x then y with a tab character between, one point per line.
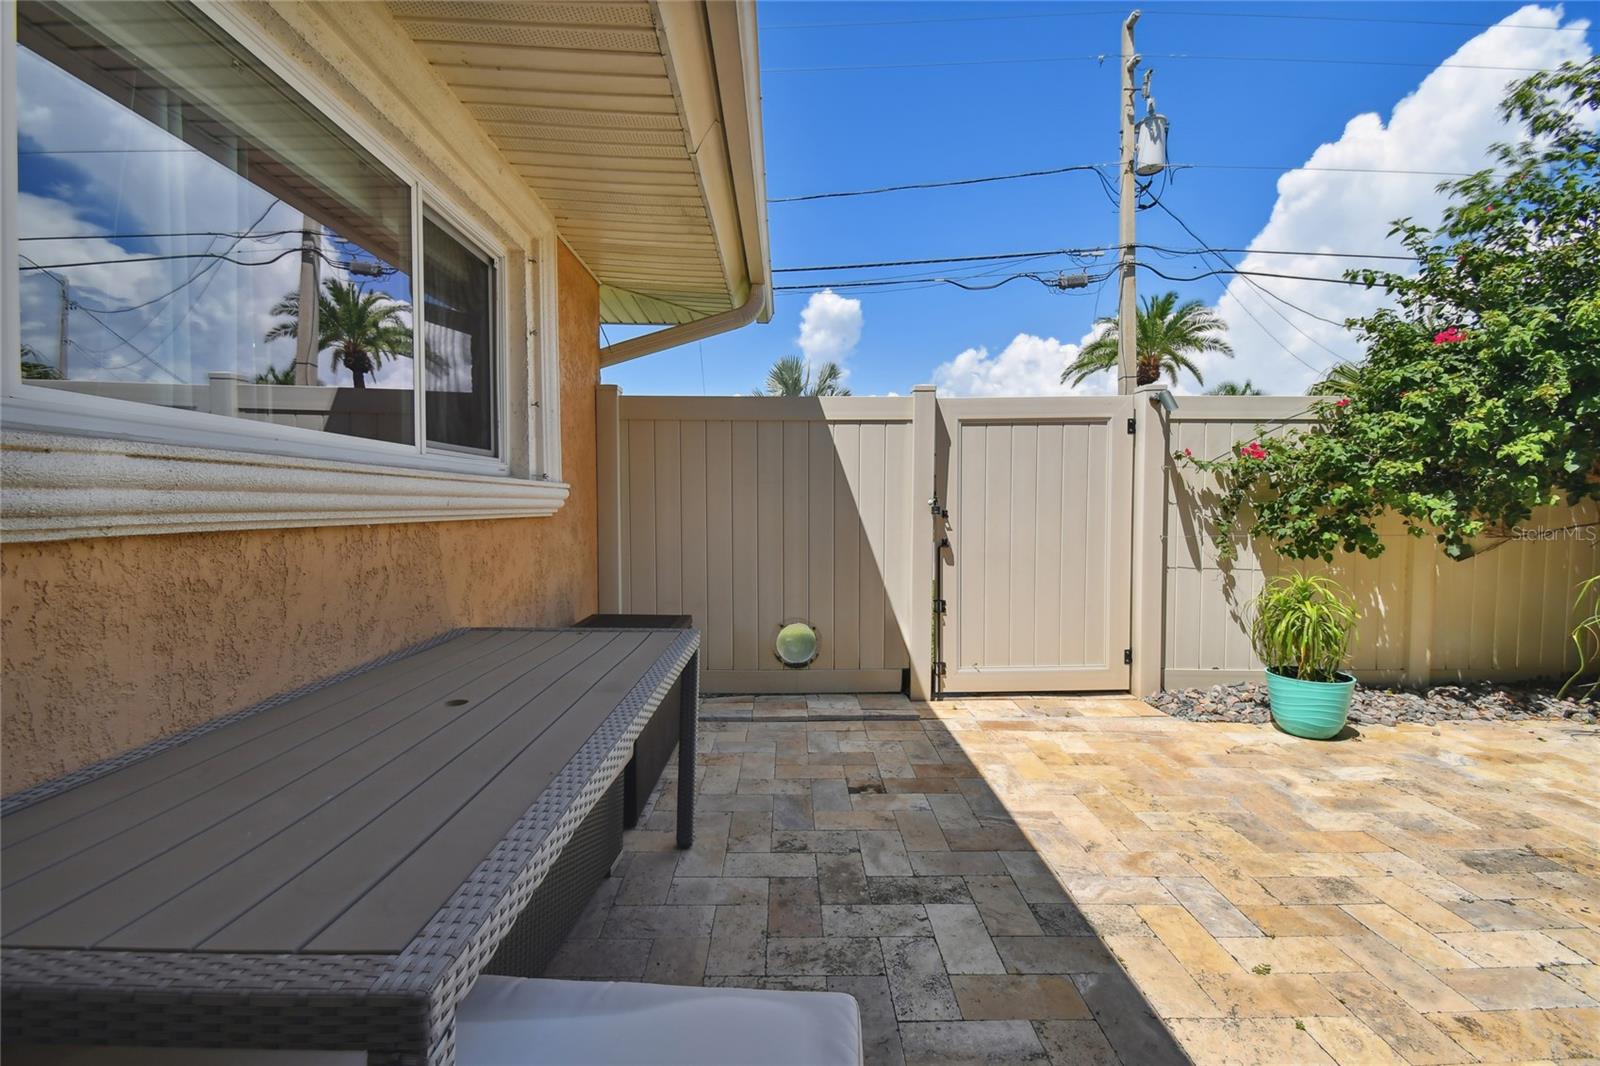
1479	398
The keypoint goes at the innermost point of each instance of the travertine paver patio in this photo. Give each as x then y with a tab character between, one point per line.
982	876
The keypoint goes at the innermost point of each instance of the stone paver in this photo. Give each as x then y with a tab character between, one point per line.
918	981
1063	880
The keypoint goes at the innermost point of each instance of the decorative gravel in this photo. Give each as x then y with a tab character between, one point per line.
1477	702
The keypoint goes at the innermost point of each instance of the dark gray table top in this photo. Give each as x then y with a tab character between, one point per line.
338	822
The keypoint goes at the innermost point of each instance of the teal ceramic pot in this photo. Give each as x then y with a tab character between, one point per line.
1312	709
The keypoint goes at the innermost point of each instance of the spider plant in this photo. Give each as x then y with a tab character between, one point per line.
1303	626
1586	635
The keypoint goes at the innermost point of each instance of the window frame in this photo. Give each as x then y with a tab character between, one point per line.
527	450
493	253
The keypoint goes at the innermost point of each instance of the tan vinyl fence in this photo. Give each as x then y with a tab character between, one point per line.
748	512
1501	614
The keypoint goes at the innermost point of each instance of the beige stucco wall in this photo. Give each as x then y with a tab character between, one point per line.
106	643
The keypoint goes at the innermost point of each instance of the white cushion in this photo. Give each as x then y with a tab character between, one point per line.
515	1021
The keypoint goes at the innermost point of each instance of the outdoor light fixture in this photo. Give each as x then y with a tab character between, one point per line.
796	646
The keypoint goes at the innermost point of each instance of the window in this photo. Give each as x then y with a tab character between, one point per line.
194	234
458	340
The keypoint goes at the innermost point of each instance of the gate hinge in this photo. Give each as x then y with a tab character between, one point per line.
939	606
938	668
1127	656
1131	424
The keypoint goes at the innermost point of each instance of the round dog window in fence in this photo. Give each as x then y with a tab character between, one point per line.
796	645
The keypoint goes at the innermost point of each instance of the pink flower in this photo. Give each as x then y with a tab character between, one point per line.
1188	453
1253	450
1449	336
1344	401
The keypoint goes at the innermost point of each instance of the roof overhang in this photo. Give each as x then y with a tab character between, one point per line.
638	124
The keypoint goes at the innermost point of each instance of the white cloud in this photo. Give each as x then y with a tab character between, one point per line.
216	323
830	328
1028	366
1446	124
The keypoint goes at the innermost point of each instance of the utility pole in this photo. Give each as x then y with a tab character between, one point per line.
61	337
308	328
1127	301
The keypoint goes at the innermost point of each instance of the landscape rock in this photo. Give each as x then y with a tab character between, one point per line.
1477	701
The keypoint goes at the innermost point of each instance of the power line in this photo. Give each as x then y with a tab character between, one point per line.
1290	352
931	21
1357	18
941	259
1098	168
1181	12
912	282
871	283
146	356
856	283
247	235
936	184
1102	57
1259	287
176	232
1207	250
1325	170
1247	273
1016	61
1088	252
47	267
1342	61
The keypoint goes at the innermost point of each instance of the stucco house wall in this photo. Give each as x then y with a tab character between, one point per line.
106	643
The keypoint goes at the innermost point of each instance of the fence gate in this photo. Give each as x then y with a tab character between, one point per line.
1035	577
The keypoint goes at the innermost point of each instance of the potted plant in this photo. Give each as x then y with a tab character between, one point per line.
1301	632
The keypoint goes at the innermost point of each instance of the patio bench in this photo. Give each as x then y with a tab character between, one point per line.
335	868
653	748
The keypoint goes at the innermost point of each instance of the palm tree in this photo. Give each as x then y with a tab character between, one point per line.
1168	336
1342	379
273	376
1233	388
790	376
33	368
362	327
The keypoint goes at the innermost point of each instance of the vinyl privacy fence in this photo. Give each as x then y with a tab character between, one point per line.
748	512
1502	614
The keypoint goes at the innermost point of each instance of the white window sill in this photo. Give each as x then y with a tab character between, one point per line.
55	487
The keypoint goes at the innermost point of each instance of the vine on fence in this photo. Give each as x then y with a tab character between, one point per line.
1479	398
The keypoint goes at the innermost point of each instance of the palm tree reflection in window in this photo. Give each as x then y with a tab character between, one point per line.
362	327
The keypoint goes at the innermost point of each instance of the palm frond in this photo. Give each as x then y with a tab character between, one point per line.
829	381
1342	380
1167	337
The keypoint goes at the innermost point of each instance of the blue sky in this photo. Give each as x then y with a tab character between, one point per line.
851	129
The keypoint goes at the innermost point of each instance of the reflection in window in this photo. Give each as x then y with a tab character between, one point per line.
193	234
458	317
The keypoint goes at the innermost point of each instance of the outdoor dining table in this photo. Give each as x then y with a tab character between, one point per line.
331	869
